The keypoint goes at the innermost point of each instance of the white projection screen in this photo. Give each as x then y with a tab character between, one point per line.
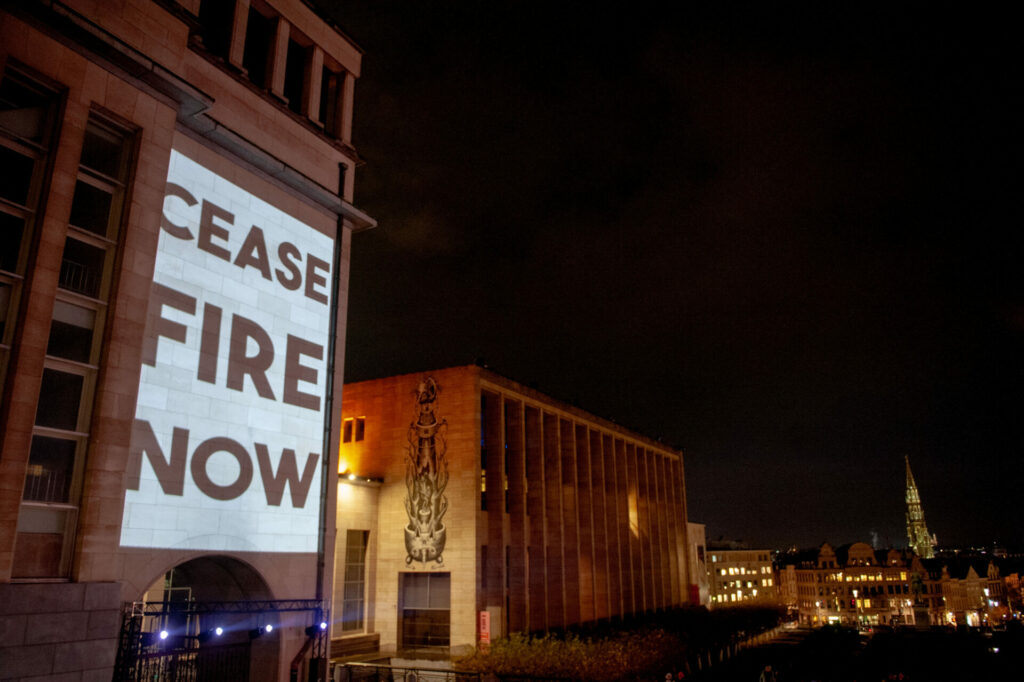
228	434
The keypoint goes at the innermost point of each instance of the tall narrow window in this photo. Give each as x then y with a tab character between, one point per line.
295	75
332	90
216	20
50	498
353	429
27	121
425	610
258	43
353	603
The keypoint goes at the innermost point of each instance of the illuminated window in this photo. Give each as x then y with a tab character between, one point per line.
353	429
50	497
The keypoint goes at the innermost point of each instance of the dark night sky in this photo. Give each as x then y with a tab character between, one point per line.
787	243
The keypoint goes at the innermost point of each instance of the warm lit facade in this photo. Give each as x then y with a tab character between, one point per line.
965	591
738	576
473	506
175	221
860	586
855	585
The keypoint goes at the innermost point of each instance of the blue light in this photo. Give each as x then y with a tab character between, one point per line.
218	631
164	634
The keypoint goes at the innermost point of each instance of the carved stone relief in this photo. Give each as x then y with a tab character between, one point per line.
426	477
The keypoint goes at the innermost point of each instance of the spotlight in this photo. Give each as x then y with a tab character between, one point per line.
312	630
208	634
164	634
268	627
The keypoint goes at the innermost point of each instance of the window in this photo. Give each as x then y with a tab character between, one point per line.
216	21
332	92
353	429
354	595
295	76
425	609
50	497
27	122
259	33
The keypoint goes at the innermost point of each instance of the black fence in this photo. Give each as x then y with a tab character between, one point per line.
190	641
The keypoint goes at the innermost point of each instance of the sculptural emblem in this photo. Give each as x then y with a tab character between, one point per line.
426	477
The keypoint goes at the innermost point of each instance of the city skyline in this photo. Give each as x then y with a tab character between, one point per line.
775	239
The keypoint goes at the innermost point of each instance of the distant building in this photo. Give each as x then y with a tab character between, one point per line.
920	541
738	576
471	506
853	585
785	578
859	586
968	591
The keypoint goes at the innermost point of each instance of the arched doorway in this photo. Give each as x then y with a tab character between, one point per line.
209	618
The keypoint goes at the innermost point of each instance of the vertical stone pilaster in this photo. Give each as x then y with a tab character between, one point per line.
601	588
554	528
347	93
279	58
495	497
622	502
537	519
236	51
586	520
570	522
517	578
311	87
612	528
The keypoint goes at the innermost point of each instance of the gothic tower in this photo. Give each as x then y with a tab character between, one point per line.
921	543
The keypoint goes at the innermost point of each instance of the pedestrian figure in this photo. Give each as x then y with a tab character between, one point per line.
768	675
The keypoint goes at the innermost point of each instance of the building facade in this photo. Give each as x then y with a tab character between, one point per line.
855	585
471	506
741	576
175	220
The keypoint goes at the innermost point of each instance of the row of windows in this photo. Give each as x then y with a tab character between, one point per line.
217	22
52	488
742	570
353	429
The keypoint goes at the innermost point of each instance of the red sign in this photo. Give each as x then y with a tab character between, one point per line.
485	629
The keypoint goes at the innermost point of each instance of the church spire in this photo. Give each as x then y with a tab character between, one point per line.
921	543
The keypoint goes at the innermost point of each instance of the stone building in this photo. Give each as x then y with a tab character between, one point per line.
471	506
971	591
741	576
175	221
855	585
